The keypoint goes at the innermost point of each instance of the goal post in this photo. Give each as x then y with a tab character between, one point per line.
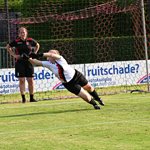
145	43
105	39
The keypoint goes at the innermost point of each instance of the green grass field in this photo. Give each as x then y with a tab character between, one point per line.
72	124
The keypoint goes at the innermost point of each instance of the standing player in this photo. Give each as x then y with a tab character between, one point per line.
72	79
23	69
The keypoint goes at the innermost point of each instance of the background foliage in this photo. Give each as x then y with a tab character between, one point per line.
122	36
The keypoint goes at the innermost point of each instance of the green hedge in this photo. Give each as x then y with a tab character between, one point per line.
122	26
78	51
80	47
82	28
84	50
28	7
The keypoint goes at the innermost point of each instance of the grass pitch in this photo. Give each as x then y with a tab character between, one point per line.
72	124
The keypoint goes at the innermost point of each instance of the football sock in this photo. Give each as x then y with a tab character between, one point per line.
95	95
31	97
92	102
23	98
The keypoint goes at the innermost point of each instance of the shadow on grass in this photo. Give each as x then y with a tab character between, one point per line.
48	112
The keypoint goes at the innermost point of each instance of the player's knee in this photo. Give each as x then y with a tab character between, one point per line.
85	95
89	88
30	80
22	80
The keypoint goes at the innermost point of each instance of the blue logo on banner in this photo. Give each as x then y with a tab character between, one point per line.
10	76
144	79
114	70
58	86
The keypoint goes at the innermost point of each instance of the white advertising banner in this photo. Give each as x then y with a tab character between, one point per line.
98	74
116	73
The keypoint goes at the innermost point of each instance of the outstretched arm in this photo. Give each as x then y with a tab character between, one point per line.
52	55
35	62
31	60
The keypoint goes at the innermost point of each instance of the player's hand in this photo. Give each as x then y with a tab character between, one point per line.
40	54
17	57
33	55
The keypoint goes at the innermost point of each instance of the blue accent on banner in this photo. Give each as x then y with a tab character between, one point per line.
58	86
98	82
143	79
114	70
10	76
9	88
43	75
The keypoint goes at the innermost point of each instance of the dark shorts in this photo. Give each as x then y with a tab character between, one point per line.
78	81
24	69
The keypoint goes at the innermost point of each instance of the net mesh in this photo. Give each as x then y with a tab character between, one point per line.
101	21
85	32
43	15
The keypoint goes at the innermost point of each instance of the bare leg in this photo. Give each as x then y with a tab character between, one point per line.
93	93
30	85
87	97
22	88
89	87
31	88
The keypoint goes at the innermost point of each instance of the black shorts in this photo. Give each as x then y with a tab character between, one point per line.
78	81
24	69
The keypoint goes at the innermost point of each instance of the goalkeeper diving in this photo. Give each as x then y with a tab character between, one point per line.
73	80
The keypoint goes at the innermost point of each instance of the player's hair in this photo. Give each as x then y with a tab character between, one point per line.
22	28
54	51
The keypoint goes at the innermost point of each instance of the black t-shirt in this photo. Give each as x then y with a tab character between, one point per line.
23	46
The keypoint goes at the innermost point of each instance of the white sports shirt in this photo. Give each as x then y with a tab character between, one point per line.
62	70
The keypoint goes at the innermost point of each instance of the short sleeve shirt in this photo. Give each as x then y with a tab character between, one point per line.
23	46
62	70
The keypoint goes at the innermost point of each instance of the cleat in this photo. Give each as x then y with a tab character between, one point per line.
33	100
97	107
24	101
101	102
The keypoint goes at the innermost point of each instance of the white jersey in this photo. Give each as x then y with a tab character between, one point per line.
62	70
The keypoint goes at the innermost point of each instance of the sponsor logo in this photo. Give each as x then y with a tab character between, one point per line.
143	79
58	86
114	70
19	43
7	77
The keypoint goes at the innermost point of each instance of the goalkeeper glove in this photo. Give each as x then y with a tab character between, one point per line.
24	56
33	55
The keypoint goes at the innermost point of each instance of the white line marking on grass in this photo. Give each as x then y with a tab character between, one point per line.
41	105
77	126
